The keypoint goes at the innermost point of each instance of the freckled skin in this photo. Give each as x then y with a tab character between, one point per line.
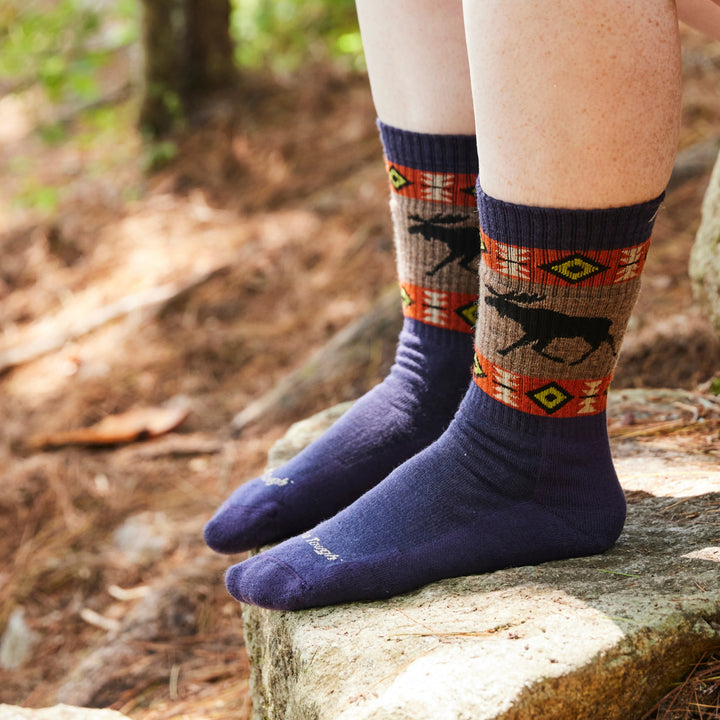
576	102
597	99
417	63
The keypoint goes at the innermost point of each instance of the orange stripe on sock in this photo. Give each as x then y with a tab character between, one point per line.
586	268
446	188
541	396
454	311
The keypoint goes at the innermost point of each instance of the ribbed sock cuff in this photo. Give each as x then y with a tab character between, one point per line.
433	153
563	229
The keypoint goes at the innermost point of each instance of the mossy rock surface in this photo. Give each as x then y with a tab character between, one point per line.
599	638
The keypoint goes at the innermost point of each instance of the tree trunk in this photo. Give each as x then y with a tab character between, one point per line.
209	53
160	107
188	54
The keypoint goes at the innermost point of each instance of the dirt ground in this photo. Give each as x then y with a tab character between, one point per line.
204	284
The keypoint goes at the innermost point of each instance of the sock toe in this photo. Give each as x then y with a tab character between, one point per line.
237	528
265	581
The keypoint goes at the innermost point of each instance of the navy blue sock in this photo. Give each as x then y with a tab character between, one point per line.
524	474
389	424
484	496
432	180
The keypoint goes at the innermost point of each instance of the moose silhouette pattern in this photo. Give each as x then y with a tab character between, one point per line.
541	326
462	241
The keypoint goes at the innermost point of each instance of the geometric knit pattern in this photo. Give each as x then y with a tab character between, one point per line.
437	241
454	311
556	291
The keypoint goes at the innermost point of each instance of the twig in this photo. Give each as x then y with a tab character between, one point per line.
93	618
52	335
173	682
675	504
659	428
617	572
126	594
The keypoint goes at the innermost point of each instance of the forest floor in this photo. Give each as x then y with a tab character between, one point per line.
200	286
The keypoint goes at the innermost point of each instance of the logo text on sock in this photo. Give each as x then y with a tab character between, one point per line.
319	548
269	480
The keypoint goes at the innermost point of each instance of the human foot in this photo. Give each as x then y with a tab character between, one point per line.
486	495
391	423
432	180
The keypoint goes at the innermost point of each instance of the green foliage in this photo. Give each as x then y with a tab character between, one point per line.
65	48
62	44
62	47
157	154
715	386
282	34
32	193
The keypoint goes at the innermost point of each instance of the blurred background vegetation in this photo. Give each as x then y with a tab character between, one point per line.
282	34
98	72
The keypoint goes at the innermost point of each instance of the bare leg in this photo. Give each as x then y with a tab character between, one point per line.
417	64
576	101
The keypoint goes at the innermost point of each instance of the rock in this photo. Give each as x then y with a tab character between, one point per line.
599	638
144	537
705	257
301	434
17	641
58	712
679	351
694	161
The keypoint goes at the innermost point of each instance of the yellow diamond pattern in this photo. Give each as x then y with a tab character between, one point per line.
469	313
477	370
574	268
397	179
550	397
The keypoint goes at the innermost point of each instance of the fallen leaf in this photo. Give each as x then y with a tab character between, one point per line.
136	424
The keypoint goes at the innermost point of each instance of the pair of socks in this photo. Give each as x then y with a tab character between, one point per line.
523	473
